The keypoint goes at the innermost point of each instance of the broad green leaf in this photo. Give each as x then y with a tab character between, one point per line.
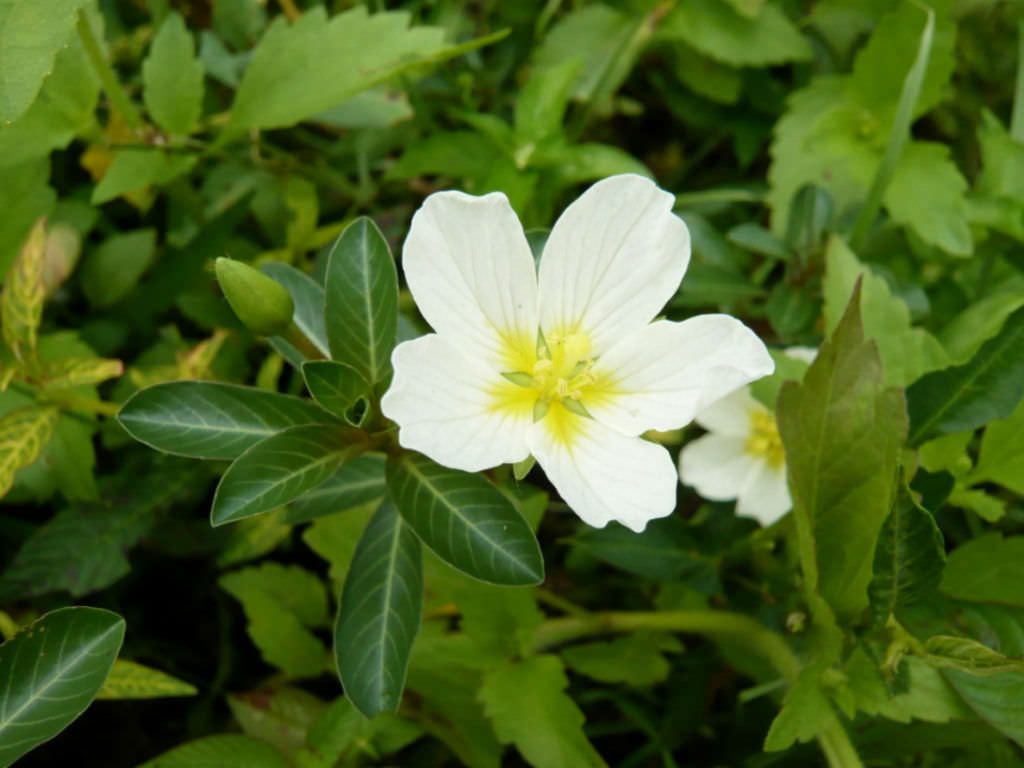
24	197
31	35
964	334
718	31
282	605
281	718
988	569
986	388
277	470
787	368
465	520
254	537
711	79
135	169
24	433
301	69
52	669
130	680
926	193
77	371
208	420
635	659
308	296
460	154
842	429
541	103
111	271
907	352
358	482
172	78
575	163
997	699
791	311
528	707
334	538
379	614
21	304
361	306
339	388
1001	459
908	559
226	750
988	508
806	712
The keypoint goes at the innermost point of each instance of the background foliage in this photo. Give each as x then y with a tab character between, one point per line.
851	173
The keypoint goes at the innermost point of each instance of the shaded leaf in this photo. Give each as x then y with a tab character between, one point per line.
76	372
226	750
24	432
339	388
130	680
24	291
308	296
988	569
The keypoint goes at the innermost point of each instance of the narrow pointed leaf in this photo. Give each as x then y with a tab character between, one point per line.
339	388
308	296
24	432
130	680
380	613
466	521
362	301
277	470
208	420
358	482
78	371
986	388
51	671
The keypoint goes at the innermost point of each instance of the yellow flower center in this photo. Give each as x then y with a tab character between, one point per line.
764	441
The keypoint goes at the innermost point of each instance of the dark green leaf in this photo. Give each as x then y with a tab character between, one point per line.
998	699
908	559
277	470
986	388
52	669
988	569
357	482
379	613
308	296
226	750
339	388
208	420
111	271
465	520
362	301
754	237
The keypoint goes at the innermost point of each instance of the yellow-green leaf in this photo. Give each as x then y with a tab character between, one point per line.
24	432
21	307
79	371
130	680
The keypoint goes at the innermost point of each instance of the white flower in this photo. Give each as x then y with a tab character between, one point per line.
740	458
564	364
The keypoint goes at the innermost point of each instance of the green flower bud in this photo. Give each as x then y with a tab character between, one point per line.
261	303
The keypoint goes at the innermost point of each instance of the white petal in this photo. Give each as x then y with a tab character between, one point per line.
661	376
807	354
603	475
469	267
766	495
444	405
731	415
613	259
717	466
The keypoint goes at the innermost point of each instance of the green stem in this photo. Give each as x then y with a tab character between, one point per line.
111	85
88	404
835	743
1017	120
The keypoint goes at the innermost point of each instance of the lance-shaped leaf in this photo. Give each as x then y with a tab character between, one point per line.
986	388
339	388
130	680
362	301
207	420
380	613
308	297
24	432
277	470
908	559
466	521
78	371
51	670
21	305
357	482
842	429
172	77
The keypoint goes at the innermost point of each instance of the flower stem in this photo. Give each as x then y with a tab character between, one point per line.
118	98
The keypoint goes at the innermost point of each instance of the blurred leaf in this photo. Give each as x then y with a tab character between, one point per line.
134	169
988	508
966	396
334	538
806	712
988	568
717	30
376	108
308	296
21	304
465	520
129	680
707	77
24	433
528	706
75	372
967	655
339	388
964	334
276	90
280	717
712	285
842	429
575	163
907	352
361	307
254	537
1001	459
277	470
926	193
541	104
24	197
52	670
634	659
226	750
791	310
379	613
111	271
753	237
451	153
34	32
997	699
909	558
358	482
172	78
208	420
282	604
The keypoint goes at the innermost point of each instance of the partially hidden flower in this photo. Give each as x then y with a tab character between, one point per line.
561	362
742	456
